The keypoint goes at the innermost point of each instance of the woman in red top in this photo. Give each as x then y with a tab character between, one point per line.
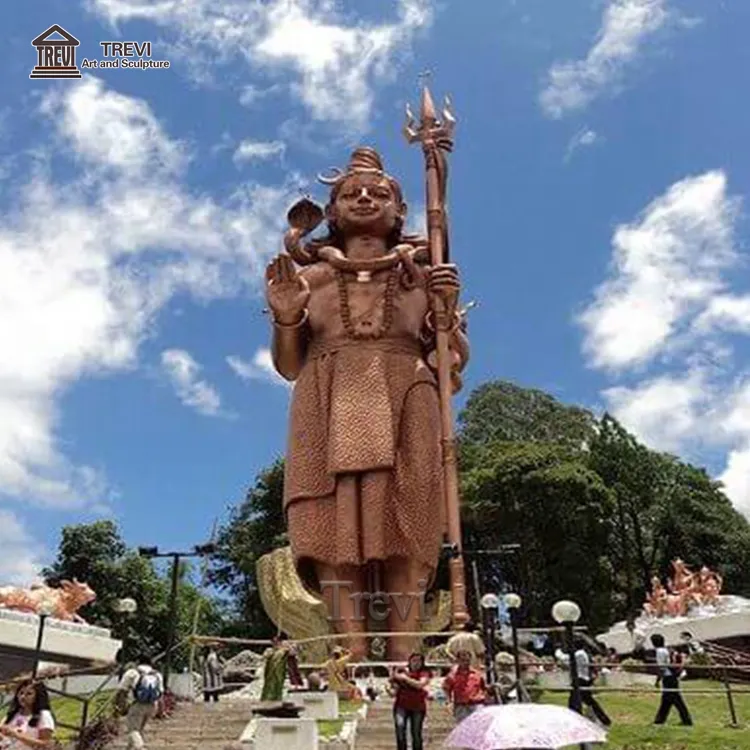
410	706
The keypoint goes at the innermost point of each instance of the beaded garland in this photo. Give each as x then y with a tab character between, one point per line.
346	312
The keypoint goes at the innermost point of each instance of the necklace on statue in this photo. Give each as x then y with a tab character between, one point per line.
346	311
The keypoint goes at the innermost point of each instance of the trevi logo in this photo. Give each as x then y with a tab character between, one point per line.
56	55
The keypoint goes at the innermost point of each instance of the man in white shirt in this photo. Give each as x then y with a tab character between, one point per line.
669	677
586	683
145	687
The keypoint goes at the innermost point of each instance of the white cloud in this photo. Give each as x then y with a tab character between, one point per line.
666	411
726	311
20	562
251	94
666	265
668	305
736	477
583	138
335	60
257	150
626	26
184	374
87	262
259	368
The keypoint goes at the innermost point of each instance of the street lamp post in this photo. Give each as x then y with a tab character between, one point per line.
45	611
199	550
490	603
513	603
123	608
567	614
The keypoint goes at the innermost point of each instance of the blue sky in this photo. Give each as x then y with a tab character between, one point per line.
598	192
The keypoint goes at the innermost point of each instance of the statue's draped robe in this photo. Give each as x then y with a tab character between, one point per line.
363	478
274	674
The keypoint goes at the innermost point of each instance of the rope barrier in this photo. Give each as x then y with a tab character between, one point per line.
319	638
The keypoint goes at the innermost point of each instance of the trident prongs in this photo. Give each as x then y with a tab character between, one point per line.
449	118
429	128
410	129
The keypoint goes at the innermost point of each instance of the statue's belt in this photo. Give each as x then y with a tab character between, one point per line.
387	345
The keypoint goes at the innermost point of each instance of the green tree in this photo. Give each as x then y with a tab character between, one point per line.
665	509
503	411
95	553
545	498
255	527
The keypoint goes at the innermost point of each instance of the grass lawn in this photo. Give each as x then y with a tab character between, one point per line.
330	727
633	715
70	711
333	727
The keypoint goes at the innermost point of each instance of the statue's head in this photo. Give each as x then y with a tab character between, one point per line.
365	200
81	593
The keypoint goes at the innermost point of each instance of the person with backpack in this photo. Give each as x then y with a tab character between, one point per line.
144	686
670	668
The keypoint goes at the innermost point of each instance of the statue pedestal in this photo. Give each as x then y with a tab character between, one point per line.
281	734
63	642
731	619
320	705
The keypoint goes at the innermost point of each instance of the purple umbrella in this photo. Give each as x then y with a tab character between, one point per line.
524	726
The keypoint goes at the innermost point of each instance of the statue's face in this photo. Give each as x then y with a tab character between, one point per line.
366	204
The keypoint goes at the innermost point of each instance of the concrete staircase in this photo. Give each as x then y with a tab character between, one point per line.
216	726
377	732
194	726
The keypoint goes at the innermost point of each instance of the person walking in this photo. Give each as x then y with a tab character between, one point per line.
410	704
586	684
467	640
670	668
465	687
144	686
213	680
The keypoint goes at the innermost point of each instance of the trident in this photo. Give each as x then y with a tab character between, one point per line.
436	137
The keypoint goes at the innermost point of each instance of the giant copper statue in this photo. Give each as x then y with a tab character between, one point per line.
366	324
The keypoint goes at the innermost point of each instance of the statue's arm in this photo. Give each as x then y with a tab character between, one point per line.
289	347
288	295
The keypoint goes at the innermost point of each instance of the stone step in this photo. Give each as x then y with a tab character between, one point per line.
377	731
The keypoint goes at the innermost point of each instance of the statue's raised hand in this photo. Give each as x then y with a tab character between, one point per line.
286	291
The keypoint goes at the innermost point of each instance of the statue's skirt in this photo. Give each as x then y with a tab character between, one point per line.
375	408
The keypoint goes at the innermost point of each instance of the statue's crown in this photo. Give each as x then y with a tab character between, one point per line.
363	160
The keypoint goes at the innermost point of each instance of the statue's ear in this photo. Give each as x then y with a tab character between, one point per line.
65	584
330	213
